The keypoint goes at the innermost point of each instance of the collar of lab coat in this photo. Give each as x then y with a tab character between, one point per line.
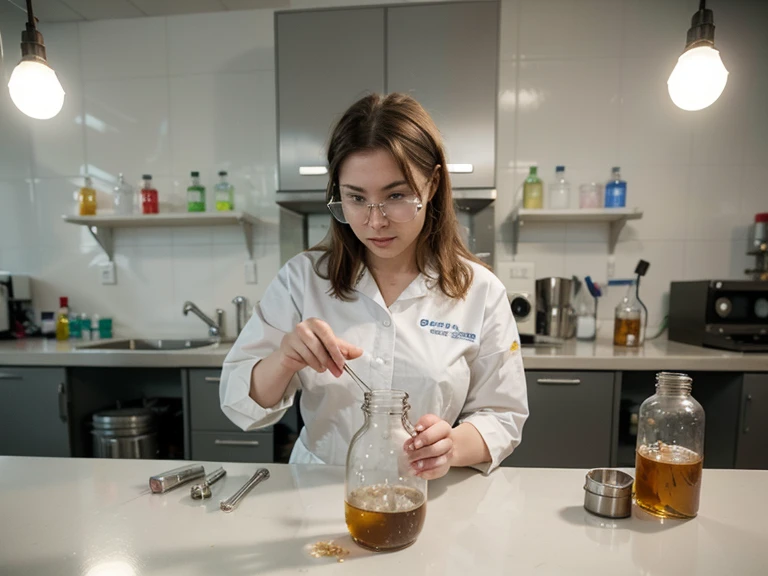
366	285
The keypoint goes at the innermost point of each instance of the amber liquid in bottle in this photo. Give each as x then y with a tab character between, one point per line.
384	517
626	332
668	481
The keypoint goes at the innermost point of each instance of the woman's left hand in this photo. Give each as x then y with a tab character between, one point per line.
430	452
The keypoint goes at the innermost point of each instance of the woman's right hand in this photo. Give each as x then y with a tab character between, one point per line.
312	343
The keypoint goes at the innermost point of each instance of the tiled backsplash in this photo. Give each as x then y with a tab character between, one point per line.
581	84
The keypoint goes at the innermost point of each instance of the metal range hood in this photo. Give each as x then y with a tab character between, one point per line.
468	200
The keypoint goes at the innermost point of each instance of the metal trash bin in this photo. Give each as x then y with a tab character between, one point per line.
125	433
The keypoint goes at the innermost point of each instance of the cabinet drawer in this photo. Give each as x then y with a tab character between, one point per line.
226	447
569	426
204	406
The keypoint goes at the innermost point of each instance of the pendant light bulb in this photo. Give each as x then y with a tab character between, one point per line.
34	87
699	77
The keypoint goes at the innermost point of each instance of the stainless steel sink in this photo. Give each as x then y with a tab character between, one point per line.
141	344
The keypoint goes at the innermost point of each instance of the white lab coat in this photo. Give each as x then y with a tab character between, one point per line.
456	358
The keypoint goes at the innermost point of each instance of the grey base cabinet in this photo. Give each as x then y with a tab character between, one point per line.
213	436
752	439
571	421
33	412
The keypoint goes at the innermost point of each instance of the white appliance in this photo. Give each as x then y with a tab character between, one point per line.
520	282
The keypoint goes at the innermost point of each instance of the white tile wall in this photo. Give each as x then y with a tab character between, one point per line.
581	84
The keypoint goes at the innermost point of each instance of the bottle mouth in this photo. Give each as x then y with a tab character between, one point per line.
673	382
386	401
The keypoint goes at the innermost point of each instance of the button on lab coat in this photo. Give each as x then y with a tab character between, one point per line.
456	358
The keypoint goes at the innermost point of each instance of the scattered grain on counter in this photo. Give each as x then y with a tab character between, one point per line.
328	549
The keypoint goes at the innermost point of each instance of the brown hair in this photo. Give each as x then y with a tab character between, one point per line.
398	124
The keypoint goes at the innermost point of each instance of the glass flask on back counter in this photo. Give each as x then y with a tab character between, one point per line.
670	449
385	504
629	320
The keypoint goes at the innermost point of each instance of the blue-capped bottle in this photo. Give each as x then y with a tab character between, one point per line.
616	191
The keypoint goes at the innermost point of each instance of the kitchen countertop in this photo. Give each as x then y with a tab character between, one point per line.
95	517
658	354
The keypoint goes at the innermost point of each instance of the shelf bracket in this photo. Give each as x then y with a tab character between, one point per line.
613	234
248	234
103	237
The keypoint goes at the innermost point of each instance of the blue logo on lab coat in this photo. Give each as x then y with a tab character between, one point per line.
447	330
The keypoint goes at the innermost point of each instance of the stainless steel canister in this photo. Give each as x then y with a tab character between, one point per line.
608	493
125	433
555	316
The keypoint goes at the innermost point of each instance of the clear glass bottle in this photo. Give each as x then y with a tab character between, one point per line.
533	190
629	320
670	449
86	199
224	194
559	193
150	201
196	194
385	504
123	197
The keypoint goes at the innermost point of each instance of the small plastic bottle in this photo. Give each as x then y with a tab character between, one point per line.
533	191
150	203
196	194
86	199
62	320
559	194
123	197
616	191
224	194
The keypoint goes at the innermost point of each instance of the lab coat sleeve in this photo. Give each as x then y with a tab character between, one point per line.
497	401
275	315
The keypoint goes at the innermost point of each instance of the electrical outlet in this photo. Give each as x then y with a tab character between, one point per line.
108	275
250	272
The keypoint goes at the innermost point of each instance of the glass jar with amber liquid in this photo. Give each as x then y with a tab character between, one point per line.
385	504
670	449
629	320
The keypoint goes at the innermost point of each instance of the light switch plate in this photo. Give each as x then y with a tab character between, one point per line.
251	276
108	275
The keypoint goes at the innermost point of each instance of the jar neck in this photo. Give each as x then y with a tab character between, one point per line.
673	384
386	402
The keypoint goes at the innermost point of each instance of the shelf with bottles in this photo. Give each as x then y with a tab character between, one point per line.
101	226
616	218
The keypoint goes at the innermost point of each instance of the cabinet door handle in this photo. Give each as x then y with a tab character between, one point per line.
220	442
745	413
215	379
6	376
572	381
62	402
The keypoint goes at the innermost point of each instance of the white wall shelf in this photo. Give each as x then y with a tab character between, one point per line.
101	226
616	218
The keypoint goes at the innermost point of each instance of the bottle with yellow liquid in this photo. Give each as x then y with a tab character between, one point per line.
533	191
87	199
62	320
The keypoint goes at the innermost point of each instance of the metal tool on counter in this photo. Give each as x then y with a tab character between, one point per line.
231	503
203	490
363	386
166	481
608	493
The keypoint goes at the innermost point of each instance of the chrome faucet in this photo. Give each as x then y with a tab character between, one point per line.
215	329
241	303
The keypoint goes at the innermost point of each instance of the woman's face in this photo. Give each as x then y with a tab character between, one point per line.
372	177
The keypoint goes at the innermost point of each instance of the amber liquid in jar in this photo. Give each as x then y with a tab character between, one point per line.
668	481
626	332
384	517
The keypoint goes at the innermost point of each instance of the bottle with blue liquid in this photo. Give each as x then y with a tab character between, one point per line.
616	191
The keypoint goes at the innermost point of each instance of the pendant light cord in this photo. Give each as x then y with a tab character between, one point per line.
31	14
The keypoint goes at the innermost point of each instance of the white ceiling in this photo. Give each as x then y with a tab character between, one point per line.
81	10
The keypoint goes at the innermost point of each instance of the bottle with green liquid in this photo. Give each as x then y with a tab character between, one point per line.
533	191
196	195
224	193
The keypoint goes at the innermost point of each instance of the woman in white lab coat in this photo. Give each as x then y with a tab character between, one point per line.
394	291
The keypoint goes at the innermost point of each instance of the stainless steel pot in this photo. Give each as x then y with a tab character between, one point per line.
555	315
125	433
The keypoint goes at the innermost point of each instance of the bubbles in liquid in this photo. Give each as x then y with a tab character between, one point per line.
386	498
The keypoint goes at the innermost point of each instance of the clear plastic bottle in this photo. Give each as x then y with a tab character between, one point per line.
224	194
86	199
629	320
385	504
670	449
123	197
62	320
616	190
196	194
533	190
150	201
559	193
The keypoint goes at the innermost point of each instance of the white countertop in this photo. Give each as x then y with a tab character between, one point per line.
573	355
95	517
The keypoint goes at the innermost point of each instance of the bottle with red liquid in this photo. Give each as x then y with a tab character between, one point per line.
149	199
